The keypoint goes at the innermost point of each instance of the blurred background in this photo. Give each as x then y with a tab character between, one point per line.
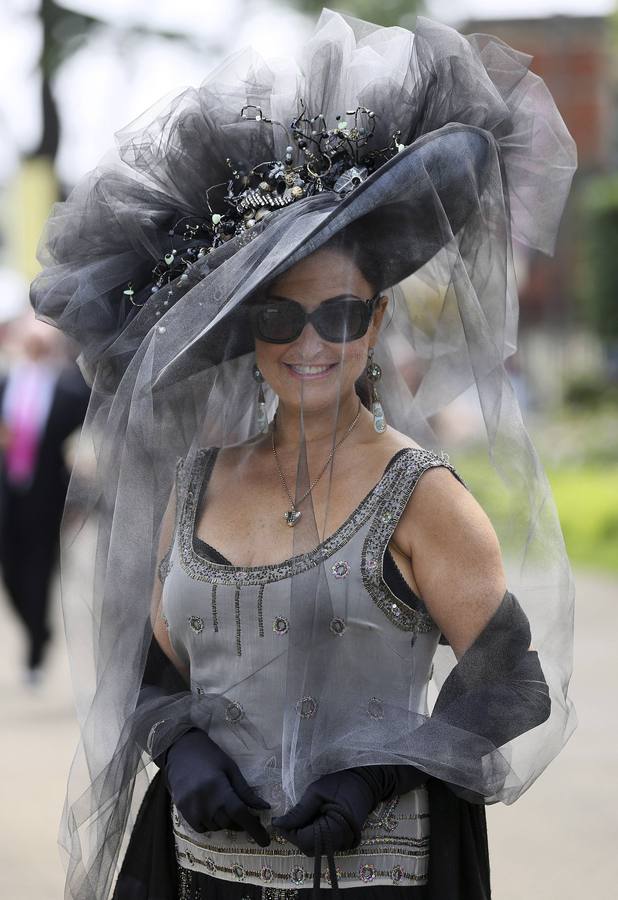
71	73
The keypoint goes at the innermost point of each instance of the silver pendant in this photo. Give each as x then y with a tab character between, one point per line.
291	517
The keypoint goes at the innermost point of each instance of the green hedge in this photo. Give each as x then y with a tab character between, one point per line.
587	501
586	496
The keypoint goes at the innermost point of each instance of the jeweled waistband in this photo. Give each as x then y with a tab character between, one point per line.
393	850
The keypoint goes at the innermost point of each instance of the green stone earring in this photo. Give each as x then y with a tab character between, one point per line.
262	417
374	373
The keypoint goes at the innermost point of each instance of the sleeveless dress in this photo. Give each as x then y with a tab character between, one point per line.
212	607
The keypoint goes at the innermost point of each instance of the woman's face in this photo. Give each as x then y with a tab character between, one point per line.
311	370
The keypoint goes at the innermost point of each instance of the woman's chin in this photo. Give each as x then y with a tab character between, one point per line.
313	397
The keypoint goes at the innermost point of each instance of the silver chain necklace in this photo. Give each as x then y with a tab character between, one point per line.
293	514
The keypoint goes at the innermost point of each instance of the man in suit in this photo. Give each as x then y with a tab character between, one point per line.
42	401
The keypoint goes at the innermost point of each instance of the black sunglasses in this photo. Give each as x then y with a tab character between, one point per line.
336	320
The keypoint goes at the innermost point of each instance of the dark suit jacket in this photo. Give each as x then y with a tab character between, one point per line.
43	501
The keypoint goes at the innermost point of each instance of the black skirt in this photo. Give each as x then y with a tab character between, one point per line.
458	861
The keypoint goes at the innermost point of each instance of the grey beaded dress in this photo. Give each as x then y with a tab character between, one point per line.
211	608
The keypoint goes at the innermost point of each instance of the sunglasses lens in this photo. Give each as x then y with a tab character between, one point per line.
278	322
342	320
336	321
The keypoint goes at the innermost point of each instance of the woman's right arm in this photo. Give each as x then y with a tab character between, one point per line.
159	628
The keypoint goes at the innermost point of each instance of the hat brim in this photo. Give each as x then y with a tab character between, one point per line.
403	214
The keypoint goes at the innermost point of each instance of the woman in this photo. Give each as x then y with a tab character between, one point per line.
234	285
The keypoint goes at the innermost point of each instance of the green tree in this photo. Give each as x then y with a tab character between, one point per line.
599	284
64	32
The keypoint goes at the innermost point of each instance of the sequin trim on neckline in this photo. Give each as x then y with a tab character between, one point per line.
202	569
392	505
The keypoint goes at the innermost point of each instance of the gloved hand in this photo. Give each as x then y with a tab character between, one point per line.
339	804
208	788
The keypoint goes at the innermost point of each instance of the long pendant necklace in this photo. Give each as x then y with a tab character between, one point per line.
293	514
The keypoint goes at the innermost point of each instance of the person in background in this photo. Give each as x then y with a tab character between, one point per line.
43	399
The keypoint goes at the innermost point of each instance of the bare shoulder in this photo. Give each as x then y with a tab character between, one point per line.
441	505
397	440
232	456
391	442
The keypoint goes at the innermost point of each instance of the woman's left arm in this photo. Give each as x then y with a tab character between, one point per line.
455	557
497	691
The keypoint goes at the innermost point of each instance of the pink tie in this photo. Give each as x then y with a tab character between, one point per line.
21	452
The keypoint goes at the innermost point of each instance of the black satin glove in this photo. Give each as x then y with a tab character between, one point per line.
208	788
206	785
338	805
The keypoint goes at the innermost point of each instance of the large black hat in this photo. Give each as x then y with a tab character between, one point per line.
241	178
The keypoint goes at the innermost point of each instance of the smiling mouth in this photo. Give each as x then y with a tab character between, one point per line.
310	371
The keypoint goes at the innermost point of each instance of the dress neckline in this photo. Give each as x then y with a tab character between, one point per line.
296	563
203	483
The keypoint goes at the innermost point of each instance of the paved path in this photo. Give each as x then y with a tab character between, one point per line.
558	842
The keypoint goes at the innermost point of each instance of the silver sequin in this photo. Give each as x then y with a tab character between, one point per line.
266	873
238	871
340	569
397	874
337	626
371	562
375	708
383	816
298	875
306	707
279	893
165	566
281	625
196	623
213	603
237	620
367	872
260	609
234	712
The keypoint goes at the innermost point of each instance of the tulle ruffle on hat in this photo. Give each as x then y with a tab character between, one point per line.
114	228
486	157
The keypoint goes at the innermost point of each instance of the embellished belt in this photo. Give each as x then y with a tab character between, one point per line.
393	850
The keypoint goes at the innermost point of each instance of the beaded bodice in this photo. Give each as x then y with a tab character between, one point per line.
231	626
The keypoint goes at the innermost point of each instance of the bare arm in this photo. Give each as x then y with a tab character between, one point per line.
159	628
455	556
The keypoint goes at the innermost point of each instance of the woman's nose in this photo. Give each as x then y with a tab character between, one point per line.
309	341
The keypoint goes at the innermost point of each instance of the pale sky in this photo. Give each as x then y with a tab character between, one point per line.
106	85
171	14
110	82
458	10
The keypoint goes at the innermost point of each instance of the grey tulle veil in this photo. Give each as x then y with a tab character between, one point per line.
485	158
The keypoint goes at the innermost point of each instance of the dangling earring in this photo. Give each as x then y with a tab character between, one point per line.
262	417
374	373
